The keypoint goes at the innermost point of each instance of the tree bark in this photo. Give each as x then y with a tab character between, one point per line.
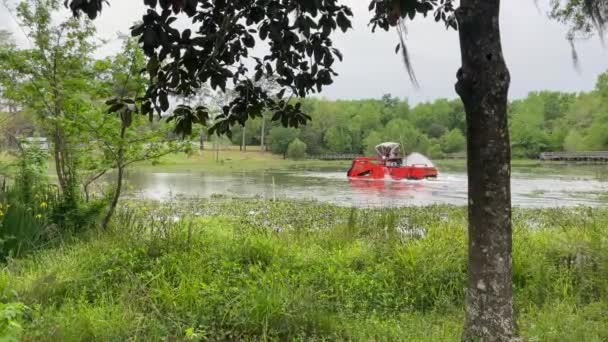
115	197
119	178
263	134
58	162
202	140
483	84
243	140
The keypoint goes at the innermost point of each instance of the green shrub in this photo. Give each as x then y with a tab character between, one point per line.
11	316
31	177
435	152
453	141
296	149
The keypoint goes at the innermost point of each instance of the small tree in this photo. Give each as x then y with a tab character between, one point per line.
280	137
339	140
369	143
453	141
52	79
296	149
123	137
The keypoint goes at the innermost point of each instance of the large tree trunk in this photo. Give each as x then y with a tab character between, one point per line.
483	84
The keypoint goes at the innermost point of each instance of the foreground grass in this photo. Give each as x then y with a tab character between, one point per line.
255	270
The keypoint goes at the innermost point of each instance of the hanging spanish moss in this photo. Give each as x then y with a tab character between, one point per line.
575	59
597	11
402	32
585	17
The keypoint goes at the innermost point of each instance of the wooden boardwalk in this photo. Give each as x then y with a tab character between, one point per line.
595	156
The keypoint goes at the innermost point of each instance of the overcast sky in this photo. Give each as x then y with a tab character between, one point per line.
535	49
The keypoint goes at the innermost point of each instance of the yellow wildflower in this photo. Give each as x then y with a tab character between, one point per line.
43	205
38	217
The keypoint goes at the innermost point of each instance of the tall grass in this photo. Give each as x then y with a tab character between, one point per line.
254	270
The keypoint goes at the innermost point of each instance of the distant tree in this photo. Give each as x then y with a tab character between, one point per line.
435	151
528	137
453	141
389	101
602	87
280	137
312	138
436	130
456	116
528	140
410	138
339	140
296	149
428	116
574	142
371	141
597	136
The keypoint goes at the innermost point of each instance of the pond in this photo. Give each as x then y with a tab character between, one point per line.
529	189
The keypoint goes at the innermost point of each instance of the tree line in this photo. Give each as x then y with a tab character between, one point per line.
543	121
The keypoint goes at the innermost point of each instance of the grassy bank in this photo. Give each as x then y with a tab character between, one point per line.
231	159
254	270
253	160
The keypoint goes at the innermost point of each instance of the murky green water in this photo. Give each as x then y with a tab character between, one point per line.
530	188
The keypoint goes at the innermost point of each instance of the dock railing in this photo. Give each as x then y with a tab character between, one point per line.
590	156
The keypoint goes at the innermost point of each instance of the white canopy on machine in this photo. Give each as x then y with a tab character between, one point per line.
389	150
417	159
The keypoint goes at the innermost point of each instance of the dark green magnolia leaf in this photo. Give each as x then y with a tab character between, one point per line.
281	93
411	13
137	30
338	54
249	41
343	22
117	107
112	101
164	101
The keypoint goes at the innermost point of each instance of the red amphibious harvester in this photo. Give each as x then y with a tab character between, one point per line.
390	164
